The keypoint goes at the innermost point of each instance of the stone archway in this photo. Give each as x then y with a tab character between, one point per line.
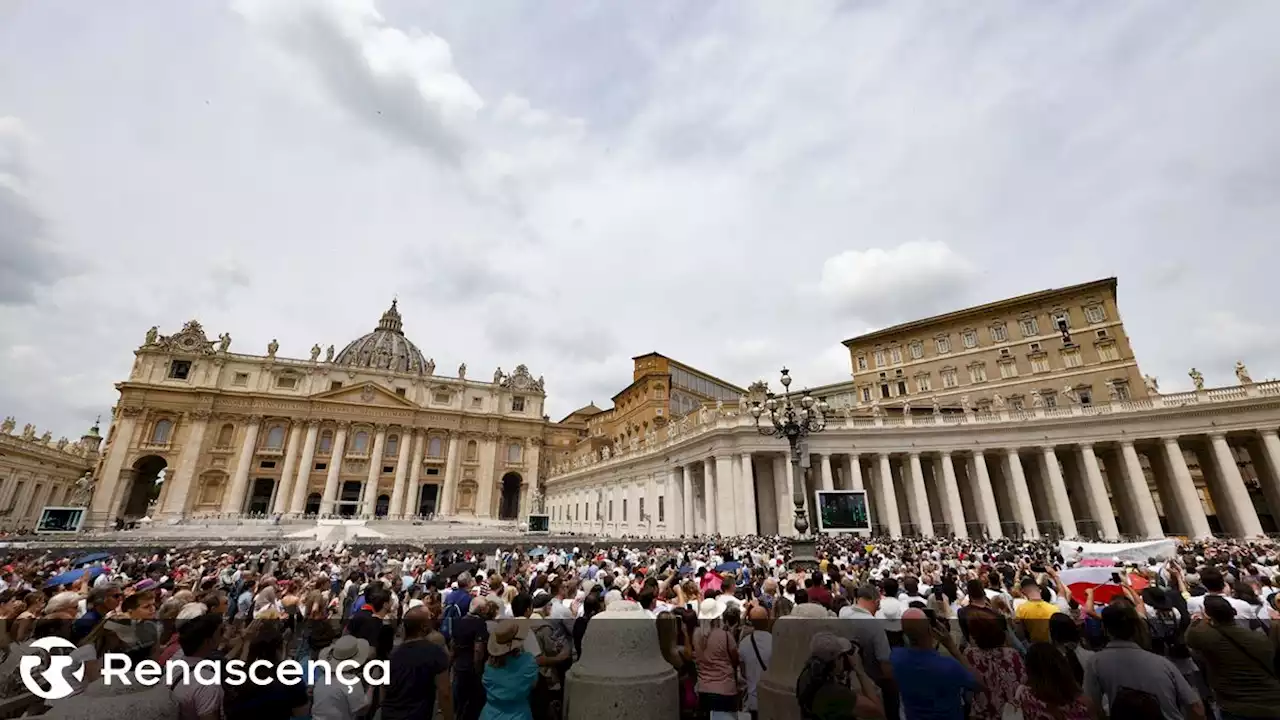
144	488
509	506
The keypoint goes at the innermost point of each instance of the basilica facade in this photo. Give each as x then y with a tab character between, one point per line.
371	431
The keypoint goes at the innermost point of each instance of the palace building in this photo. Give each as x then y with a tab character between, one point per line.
36	471
369	432
1026	417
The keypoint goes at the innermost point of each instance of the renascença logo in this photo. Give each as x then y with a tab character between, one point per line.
119	668
41	663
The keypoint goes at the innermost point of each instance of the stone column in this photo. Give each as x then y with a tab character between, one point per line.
924	516
1233	484
1058	491
450	474
986	496
339	448
103	508
1021	494
175	500
298	503
622	673
1099	504
955	508
726	507
1185	488
489	447
370	496
413	492
827	483
747	497
782	494
855	472
710	483
280	505
1148	518
402	473
687	525
233	501
675	501
885	490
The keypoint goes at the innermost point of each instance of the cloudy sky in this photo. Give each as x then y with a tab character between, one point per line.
735	184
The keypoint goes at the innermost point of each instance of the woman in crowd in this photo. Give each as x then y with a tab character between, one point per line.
509	674
716	655
999	667
1052	691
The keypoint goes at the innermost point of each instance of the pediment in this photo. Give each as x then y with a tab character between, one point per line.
364	394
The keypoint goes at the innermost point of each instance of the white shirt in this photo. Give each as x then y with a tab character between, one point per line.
1244	611
751	664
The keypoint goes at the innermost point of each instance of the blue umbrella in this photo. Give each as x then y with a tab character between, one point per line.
70	576
731	566
685	570
90	559
538	552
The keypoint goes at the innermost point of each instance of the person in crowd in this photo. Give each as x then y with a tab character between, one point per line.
102	601
1033	615
1124	674
1052	691
825	687
998	666
509	674
264	642
931	685
1241	662
756	653
468	647
716	657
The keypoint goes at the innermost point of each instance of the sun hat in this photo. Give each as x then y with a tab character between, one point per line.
348	647
507	637
710	609
827	647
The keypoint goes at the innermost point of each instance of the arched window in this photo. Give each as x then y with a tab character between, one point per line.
225	434
513	453
275	437
393	441
326	442
433	447
473	451
360	443
160	434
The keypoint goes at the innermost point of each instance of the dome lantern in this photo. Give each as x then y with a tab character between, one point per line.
386	348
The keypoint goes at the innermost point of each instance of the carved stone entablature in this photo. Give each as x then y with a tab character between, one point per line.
522	381
255	419
191	340
314	422
380	427
131	411
201	414
343	424
490	436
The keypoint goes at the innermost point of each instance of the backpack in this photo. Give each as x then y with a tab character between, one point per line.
451	612
1166	632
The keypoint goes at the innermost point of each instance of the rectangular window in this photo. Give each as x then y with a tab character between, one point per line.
433	471
388	469
517	404
944	345
970	338
923	384
662	509
999	333
1017	403
902	387
179	369
1121	389
862	362
1040	364
866	394
1033	347
400	392
267	464
287	382
322	466
240	379
335	385
1086	396
1061	321
1050	399
1071	358
1107	352
879	358
477	403
1008	370
978	373
949	379
895	354
440	398
917	350
1095	314
1029	327
884	390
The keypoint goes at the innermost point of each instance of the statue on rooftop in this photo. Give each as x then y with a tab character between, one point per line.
1196	379
1242	374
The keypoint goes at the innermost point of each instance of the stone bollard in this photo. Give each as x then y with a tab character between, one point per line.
776	694
621	674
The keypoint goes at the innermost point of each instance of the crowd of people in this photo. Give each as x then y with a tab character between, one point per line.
918	629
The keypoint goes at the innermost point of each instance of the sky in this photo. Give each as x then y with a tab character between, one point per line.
738	185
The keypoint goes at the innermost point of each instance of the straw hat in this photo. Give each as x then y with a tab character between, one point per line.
710	609
507	637
348	647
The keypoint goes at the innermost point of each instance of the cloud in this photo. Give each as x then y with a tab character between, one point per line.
897	284
29	262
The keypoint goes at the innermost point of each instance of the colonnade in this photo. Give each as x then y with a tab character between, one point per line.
1127	487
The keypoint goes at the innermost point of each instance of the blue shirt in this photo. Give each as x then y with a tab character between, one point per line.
930	684
459	597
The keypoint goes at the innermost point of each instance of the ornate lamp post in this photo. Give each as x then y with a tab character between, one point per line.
795	422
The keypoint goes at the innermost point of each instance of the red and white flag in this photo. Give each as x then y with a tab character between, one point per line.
1103	580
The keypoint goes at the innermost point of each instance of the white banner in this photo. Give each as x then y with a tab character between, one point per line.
1137	552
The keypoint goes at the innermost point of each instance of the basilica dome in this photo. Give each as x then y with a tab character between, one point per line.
386	348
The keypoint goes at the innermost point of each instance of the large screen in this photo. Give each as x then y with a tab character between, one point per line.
842	511
60	520
539	523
